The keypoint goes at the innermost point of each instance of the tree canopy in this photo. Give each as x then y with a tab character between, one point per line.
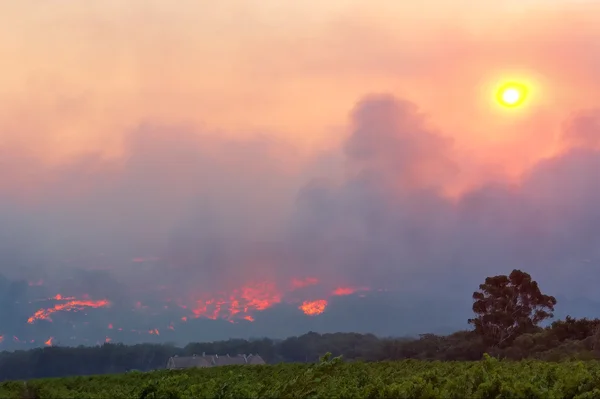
509	306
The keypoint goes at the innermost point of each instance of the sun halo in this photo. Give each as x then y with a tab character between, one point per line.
511	95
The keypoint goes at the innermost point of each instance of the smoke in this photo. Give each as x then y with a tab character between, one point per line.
151	225
176	221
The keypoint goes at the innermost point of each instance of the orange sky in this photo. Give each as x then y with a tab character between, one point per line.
265	140
76	76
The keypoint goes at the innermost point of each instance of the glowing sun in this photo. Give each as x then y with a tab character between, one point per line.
511	95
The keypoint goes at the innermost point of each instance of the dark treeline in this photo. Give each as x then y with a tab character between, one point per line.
508	312
566	339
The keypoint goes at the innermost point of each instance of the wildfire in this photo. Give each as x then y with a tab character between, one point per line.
237	305
59	297
260	296
341	291
312	308
1	338
203	309
71	305
242	301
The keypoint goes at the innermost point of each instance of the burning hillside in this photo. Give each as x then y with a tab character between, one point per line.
70	304
74	318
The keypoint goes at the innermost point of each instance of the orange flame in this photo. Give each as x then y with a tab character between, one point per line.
1	338
260	296
49	341
44	314
253	297
107	339
59	297
344	291
239	304
313	308
341	291
243	302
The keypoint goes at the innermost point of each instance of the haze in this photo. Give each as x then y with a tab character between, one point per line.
233	161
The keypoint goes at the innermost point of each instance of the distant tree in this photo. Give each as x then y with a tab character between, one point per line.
508	306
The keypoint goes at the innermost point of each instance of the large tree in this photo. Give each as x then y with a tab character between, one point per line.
508	306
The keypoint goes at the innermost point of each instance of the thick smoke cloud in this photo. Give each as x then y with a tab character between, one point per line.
152	179
176	219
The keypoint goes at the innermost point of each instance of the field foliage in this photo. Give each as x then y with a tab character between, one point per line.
332	378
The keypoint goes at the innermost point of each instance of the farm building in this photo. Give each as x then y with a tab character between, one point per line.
186	362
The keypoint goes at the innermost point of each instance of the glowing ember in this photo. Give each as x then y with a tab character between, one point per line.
235	306
59	297
239	303
260	296
49	341
209	309
312	308
341	291
44	314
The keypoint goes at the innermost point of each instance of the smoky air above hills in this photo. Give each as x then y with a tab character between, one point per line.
180	232
200	172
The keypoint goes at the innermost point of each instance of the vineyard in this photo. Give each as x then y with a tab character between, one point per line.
332	378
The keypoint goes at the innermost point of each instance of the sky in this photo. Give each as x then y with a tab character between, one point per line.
290	166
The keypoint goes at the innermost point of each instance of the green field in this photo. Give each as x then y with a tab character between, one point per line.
332	378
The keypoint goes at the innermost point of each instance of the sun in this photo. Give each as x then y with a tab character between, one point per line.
511	95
